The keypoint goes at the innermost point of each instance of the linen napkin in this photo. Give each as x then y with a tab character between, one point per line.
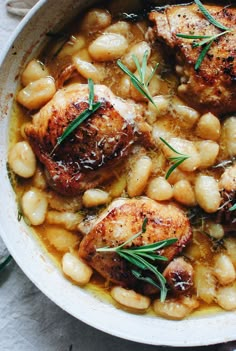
20	7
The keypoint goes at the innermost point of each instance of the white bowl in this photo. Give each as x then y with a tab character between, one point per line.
32	257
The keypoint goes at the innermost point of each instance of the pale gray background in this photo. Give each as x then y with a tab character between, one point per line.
29	321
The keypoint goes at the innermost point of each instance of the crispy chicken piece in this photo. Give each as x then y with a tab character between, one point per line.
213	86
82	160
122	220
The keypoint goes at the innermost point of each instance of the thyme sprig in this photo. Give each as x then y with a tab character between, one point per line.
140	83
208	40
93	107
176	159
140	256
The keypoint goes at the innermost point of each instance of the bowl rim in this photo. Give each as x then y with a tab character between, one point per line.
101	315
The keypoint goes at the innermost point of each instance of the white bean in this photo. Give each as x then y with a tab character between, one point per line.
95	197
138	50
120	27
228	179
76	269
39	180
34	71
187	148
61	239
215	230
108	47
186	115
117	187
88	69
22	160
183	193
226	297
229	136
162	103
154	85
207	193
37	93
96	19
208	151
175	308
64	203
75	44
124	87
208	127
69	220
159	189
34	206
224	269
138	176
130	298
205	283
160	129
178	175
230	244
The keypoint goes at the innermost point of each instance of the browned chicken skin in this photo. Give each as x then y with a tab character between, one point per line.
122	220
82	161
213	86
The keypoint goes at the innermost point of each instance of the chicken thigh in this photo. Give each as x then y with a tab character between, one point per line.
122	220
83	159
212	87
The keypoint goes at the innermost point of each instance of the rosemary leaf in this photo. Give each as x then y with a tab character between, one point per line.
140	256
232	208
149	280
141	83
155	246
189	36
132	259
174	166
152	74
176	159
169	146
209	17
202	55
75	124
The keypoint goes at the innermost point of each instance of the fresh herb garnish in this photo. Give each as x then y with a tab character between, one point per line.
5	262
140	83
232	208
93	107
208	40
176	159
140	256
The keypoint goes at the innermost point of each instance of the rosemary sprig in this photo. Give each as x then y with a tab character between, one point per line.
176	159
140	83
208	40
232	208
140	256
93	107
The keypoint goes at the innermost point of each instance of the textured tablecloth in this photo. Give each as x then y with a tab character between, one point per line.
29	321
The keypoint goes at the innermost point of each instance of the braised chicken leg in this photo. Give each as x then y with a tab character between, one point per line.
121	221
212	87
82	161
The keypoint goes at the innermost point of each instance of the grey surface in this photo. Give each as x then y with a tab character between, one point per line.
29	321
